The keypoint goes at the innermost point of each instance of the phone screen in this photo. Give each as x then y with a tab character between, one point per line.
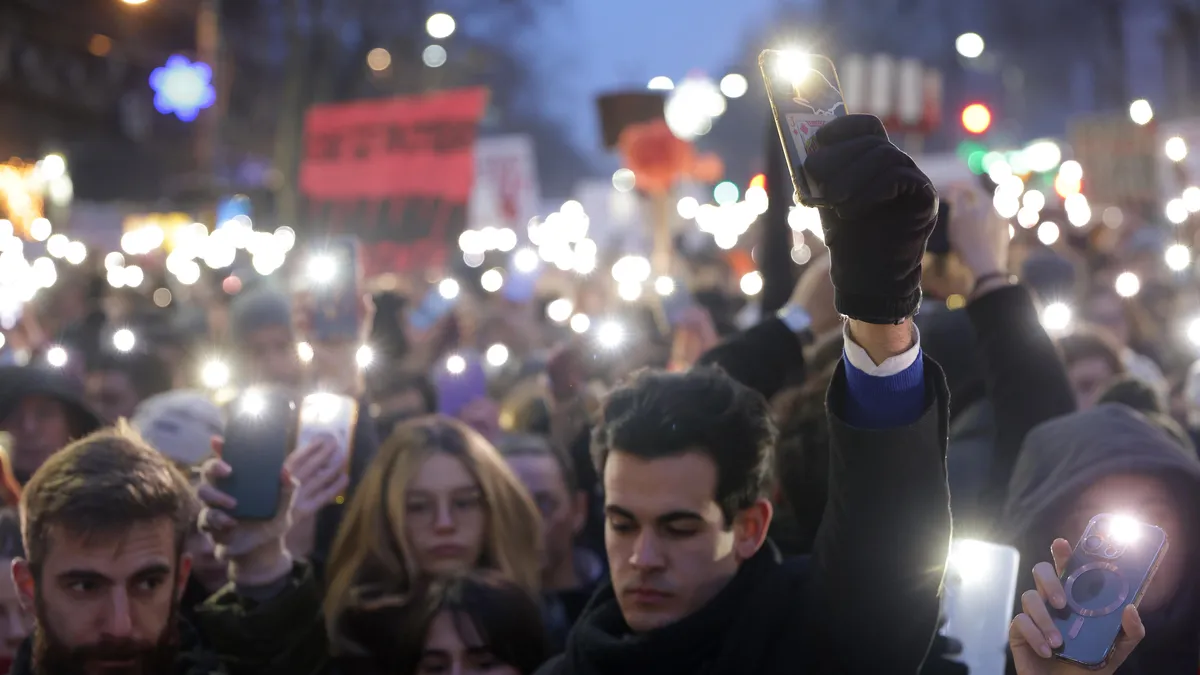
433	308
805	95
259	435
980	583
335	278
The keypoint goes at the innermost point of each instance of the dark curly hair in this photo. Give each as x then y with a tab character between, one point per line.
657	414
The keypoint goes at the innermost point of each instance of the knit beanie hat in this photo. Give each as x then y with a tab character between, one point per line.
258	309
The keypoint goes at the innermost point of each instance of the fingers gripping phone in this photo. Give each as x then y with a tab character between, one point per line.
1110	569
333	415
259	436
805	95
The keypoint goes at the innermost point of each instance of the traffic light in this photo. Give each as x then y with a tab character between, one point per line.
976	118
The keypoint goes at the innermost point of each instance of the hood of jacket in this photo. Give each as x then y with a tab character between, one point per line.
1061	458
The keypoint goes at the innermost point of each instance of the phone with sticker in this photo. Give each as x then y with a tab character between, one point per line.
805	95
332	415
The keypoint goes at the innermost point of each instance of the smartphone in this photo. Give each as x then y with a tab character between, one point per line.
981	581
11	489
1110	568
678	302
335	280
331	414
433	308
259	435
939	240
457	390
805	95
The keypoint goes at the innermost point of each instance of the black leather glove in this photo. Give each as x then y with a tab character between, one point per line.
881	211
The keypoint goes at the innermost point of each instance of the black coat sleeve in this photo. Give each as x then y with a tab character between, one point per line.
765	358
1027	382
881	550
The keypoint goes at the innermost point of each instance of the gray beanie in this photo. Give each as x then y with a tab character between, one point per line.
259	308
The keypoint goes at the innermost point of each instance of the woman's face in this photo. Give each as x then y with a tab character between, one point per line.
447	654
1145	498
446	517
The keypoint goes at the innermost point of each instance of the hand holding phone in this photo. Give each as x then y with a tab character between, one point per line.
1083	615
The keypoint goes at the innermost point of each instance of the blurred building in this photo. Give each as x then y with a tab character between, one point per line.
74	79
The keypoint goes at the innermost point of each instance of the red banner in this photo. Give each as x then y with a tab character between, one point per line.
397	172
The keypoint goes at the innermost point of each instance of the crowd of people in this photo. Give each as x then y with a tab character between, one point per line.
780	500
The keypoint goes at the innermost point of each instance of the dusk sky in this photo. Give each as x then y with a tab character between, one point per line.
600	45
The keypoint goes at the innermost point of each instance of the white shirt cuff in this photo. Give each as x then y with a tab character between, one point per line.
858	357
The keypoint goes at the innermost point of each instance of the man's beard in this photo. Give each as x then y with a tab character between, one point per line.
52	657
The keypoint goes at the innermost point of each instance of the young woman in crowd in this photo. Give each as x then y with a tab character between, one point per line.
475	624
437	500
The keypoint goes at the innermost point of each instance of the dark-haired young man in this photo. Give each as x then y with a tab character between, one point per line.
104	523
685	458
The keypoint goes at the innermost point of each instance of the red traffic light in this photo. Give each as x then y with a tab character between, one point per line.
976	118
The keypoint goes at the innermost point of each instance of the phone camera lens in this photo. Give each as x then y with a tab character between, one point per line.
1112	551
1093	544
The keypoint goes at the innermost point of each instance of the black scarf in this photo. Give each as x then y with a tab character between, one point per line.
737	632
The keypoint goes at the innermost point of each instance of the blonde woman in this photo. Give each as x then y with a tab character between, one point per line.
437	500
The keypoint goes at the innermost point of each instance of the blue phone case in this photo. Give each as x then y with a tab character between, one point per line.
336	316
257	442
432	309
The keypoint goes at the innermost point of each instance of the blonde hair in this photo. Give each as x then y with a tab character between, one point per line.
371	556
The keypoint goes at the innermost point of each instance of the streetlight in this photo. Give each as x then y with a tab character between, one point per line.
969	45
440	26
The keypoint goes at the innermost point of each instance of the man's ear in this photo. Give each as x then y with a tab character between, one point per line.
750	529
580	510
22	577
185	572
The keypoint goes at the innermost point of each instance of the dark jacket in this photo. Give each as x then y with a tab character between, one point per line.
1060	460
866	601
234	635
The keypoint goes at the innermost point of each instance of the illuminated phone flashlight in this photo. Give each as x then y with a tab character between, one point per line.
322	269
1128	285
1056	317
253	403
214	374
320	408
793	65
124	340
448	289
304	351
580	323
456	365
970	561
610	335
56	356
365	356
1124	529
664	286
497	355
1193	331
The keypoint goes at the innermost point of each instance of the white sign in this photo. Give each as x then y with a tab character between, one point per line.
506	191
